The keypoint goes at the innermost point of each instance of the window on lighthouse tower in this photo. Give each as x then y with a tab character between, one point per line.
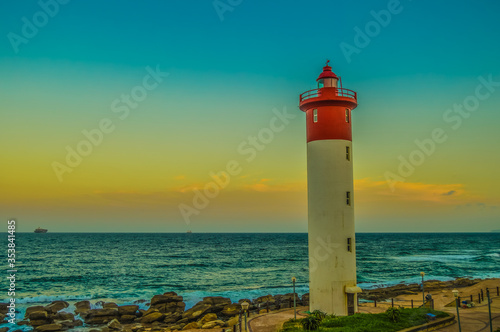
315	115
346	115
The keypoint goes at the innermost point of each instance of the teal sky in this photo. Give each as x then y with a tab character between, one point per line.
229	64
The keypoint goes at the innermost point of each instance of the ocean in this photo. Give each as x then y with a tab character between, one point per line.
127	267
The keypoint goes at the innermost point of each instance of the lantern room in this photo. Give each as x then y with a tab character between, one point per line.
327	79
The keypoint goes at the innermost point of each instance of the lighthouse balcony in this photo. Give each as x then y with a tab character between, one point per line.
328	92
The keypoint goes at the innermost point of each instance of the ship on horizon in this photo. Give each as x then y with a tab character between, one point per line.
41	230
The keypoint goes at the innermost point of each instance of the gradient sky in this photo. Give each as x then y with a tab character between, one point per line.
230	64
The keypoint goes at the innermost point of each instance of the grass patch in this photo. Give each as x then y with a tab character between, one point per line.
382	322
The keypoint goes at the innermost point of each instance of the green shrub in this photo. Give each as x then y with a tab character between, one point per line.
292	324
311	323
394	314
319	314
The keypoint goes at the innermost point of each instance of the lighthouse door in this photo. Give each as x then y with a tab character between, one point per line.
350	304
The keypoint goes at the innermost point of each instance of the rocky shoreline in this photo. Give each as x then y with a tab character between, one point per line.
167	312
386	293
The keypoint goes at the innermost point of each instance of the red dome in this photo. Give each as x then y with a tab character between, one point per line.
327	72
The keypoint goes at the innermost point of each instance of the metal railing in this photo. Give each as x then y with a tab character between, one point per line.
338	92
310	94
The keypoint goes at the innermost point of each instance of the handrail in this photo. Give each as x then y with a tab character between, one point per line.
317	93
310	94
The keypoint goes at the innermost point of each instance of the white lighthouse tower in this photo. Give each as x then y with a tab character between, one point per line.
332	249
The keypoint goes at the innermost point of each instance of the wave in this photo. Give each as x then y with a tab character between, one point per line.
181	264
435	258
191	298
58	278
289	259
50	298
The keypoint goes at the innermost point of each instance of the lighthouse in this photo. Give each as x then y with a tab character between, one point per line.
332	246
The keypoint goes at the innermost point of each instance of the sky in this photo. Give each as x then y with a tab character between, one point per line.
168	116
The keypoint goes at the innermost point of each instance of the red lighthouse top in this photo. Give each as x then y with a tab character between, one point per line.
328	92
328	108
327	72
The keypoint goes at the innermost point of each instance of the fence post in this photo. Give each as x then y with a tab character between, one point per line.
489	308
479	298
412	303
482	295
375	303
239	320
357	300
498	293
267	306
471	298
392	302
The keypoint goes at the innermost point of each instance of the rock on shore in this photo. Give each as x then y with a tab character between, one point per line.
50	317
385	293
166	312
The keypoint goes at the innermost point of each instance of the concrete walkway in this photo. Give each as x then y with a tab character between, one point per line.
475	319
272	321
472	320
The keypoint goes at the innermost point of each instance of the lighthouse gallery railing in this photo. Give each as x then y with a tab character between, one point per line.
317	92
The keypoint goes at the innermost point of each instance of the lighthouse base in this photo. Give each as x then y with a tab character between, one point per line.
338	300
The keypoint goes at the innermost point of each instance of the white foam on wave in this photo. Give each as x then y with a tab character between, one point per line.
435	258
49	299
394	282
191	298
418	280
